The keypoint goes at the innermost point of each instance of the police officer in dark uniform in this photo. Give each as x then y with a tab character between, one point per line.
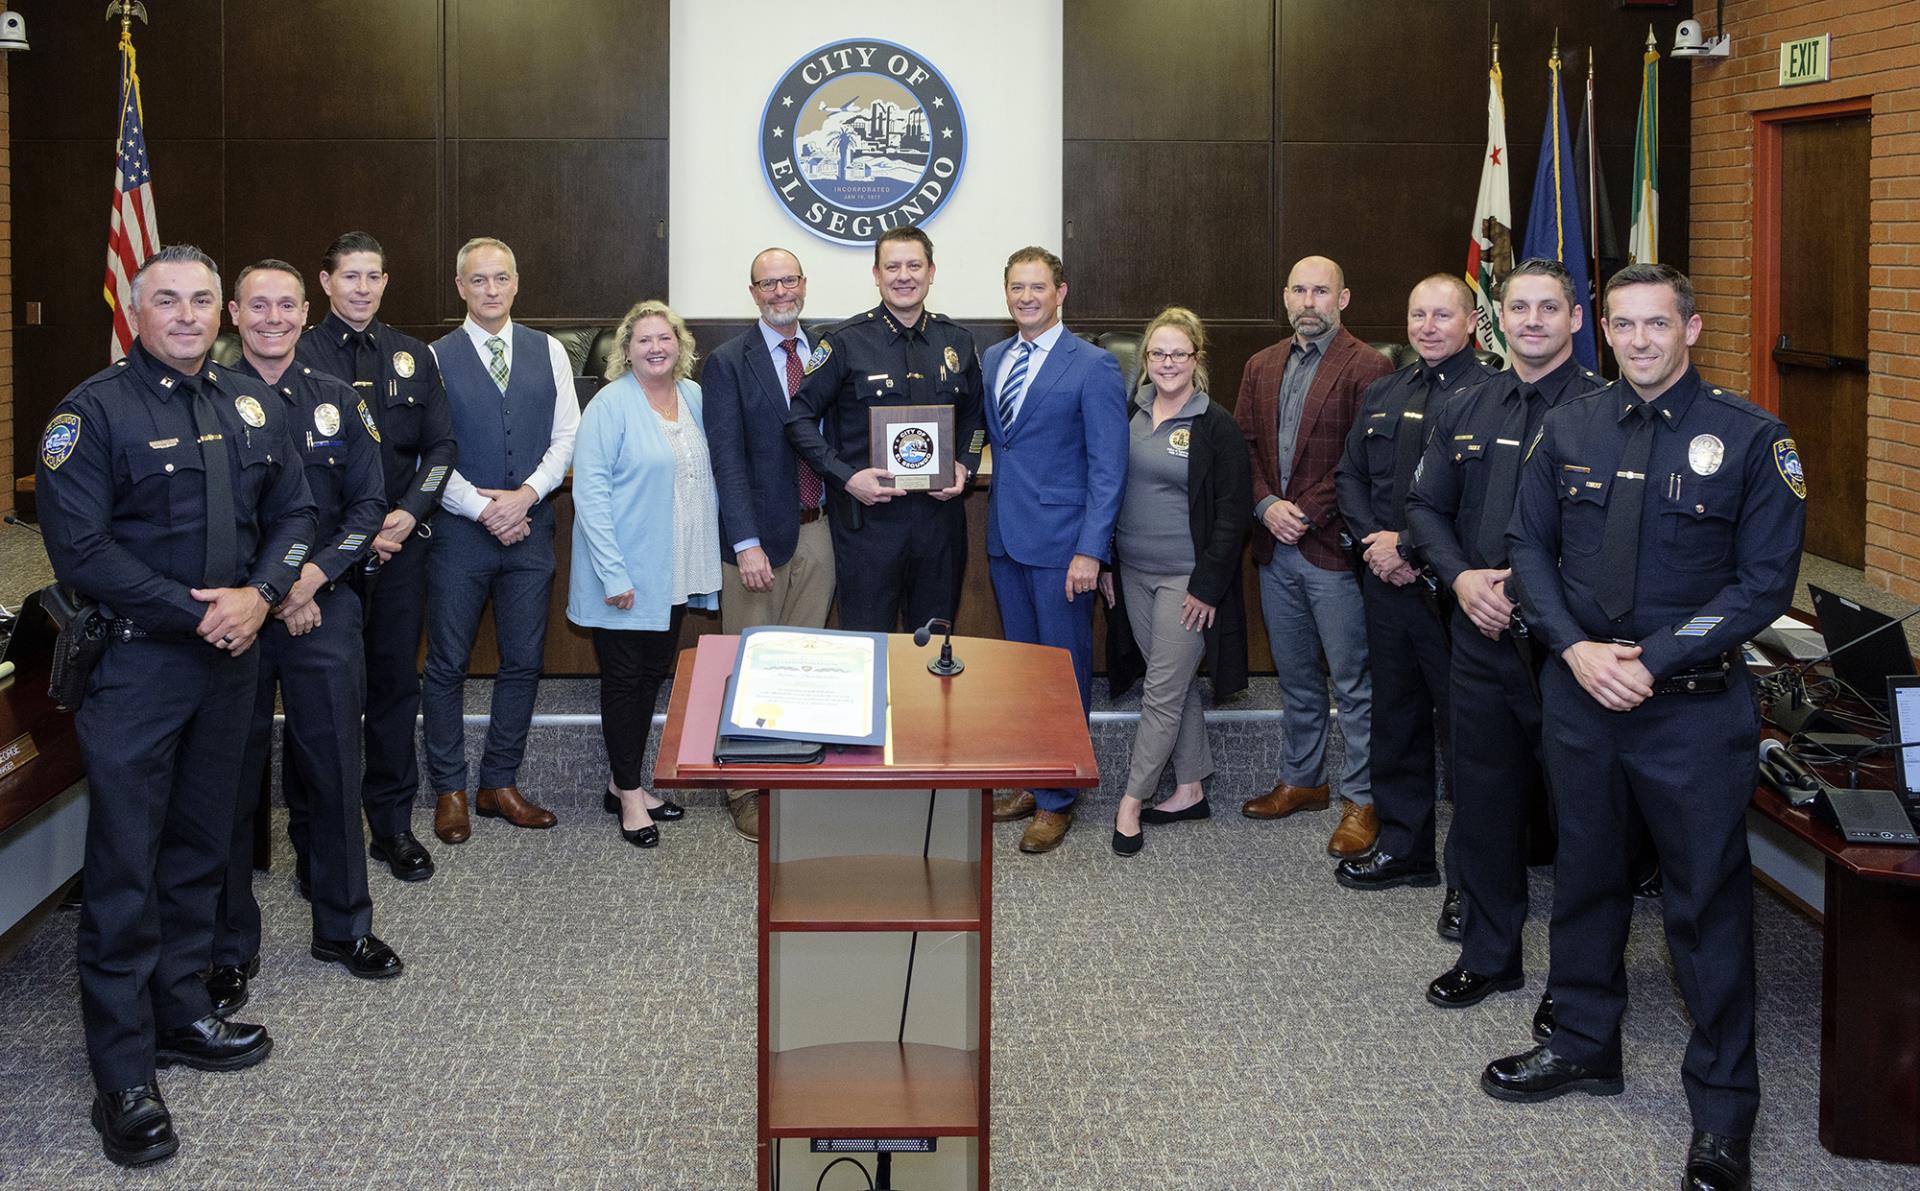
399	382
1457	513
170	494
899	555
1406	638
1658	527
311	651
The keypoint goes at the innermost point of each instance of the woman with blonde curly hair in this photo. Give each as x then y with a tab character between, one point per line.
646	541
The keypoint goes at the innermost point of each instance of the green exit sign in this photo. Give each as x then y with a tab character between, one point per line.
1804	60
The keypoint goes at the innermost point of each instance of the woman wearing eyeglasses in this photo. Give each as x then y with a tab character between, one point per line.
1177	547
646	541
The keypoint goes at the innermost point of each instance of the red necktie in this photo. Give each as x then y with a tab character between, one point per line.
811	489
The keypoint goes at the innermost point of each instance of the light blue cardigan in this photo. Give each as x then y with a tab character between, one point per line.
623	510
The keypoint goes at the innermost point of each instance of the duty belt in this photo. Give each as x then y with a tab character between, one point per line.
1708	678
124	630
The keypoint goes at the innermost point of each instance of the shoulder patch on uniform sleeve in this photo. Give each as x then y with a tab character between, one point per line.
366	419
1786	457
820	353
62	436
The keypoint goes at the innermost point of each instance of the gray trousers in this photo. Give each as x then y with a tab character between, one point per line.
1171	722
1310	611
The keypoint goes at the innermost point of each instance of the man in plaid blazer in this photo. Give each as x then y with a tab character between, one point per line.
1297	400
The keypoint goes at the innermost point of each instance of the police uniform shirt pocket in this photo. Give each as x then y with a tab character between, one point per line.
1697	520
1469	448
1583	508
167	473
400	413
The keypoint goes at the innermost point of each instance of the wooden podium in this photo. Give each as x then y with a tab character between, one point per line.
1013	718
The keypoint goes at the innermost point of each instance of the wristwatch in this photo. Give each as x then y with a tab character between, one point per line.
269	593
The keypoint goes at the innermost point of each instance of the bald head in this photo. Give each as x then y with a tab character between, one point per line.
1316	294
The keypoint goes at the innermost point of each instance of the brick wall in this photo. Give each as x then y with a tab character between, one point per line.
1875	52
6	295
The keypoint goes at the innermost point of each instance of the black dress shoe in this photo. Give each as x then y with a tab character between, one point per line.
1539	1074
227	985
213	1045
645	837
135	1127
1456	988
405	855
1129	845
1653	885
1543	1020
1379	870
1448	927
366	957
1199	810
668	811
1716	1163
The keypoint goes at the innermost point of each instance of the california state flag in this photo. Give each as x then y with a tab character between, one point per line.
1490	241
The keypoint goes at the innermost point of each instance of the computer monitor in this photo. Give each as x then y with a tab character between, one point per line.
1903	715
1862	658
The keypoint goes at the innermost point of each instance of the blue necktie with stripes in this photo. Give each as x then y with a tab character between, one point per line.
1016	381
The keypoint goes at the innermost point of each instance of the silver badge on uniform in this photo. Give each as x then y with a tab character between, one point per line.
250	411
403	364
326	419
1705	453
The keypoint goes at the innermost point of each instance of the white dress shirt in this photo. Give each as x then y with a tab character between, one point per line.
1041	346
462	497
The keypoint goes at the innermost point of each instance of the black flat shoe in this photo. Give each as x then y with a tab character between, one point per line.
668	811
1539	1074
1543	1020
1128	845
366	957
405	856
1456	988
1448	926
1379	870
645	837
1716	1163
227	985
213	1045
1651	886
134	1125
1199	810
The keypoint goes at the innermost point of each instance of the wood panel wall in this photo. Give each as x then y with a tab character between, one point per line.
1208	144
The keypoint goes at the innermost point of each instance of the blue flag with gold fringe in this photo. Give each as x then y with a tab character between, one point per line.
1553	218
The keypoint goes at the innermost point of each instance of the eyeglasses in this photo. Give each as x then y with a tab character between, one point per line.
1157	356
773	285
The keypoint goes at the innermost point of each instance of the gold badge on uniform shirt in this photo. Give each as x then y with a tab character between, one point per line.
953	360
326	418
250	411
403	364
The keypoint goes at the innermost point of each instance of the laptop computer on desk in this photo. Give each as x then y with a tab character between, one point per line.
1867	646
1903	704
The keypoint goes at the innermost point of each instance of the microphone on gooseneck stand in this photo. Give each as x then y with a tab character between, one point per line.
946	665
10	519
1785	690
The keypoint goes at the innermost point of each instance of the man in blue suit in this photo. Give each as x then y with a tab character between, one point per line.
1057	422
776	552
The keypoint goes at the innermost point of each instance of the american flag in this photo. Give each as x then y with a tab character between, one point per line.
133	233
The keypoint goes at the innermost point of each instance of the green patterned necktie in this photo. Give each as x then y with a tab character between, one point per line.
498	366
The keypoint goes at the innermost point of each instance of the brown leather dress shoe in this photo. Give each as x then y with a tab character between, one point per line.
1359	827
1283	800
1009	805
1046	831
504	802
450	818
745	812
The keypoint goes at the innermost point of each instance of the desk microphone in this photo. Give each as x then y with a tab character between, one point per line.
1788	774
946	665
10	519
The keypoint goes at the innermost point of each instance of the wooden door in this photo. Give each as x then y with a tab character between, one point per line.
1821	352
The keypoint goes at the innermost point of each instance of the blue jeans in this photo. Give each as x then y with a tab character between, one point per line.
466	568
1307	611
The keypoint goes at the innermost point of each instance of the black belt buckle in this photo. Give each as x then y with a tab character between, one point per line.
1710	679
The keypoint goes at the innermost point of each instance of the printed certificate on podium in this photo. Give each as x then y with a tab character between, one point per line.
817	685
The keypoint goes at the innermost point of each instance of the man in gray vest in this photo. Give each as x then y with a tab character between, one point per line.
510	389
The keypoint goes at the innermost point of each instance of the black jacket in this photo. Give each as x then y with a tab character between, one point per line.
1219	493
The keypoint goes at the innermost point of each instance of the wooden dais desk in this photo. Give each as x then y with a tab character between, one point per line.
1013	718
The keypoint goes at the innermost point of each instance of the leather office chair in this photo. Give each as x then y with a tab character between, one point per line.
1125	346
226	349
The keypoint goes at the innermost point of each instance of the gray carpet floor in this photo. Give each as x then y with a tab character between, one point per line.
1214	1013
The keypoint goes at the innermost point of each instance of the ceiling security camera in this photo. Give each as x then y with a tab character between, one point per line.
1690	41
13	31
